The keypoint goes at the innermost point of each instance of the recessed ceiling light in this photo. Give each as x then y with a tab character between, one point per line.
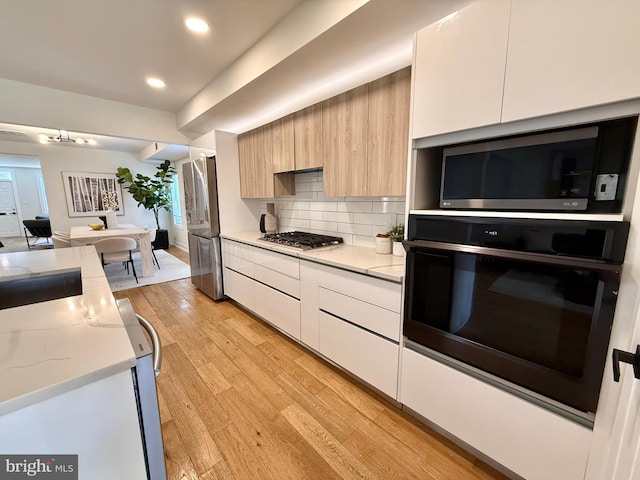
91	141
196	25
155	82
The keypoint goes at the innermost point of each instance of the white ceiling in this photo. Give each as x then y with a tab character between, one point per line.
106	48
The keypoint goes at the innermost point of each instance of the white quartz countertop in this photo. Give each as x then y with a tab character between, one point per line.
349	257
56	346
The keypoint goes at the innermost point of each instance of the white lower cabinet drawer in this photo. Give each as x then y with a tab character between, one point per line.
527	439
240	288
279	309
368	356
277	262
277	280
377	319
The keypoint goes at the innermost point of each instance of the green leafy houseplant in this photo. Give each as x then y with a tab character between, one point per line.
152	193
396	233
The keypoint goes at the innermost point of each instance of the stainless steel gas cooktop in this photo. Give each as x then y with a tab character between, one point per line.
302	240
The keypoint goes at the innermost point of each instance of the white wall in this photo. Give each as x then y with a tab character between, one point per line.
55	159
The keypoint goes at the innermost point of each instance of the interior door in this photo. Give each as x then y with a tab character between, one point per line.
9	226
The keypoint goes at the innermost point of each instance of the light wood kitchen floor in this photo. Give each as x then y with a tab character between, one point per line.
238	400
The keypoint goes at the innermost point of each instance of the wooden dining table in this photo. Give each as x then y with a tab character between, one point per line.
84	235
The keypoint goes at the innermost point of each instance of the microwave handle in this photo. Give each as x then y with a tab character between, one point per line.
579	263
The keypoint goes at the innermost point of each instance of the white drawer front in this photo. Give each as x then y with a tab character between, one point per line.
238	264
240	288
278	308
277	261
277	280
525	438
237	249
372	290
374	318
364	354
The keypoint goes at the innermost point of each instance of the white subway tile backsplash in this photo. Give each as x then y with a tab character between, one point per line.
375	218
354	228
337	217
363	207
282	213
362	241
325	226
324	206
356	219
376	229
306	177
300	223
389	207
301	205
304	187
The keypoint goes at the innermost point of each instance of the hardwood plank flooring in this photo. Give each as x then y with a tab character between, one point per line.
238	400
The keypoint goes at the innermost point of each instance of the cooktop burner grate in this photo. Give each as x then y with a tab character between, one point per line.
301	240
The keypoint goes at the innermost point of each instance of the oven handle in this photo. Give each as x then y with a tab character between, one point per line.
580	263
155	340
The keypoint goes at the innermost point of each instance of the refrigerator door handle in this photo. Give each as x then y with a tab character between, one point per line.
155	340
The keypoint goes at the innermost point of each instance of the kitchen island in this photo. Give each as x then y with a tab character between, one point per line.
65	371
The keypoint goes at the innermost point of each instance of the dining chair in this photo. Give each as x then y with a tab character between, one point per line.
60	242
116	250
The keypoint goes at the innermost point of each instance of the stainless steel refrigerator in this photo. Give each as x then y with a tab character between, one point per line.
201	204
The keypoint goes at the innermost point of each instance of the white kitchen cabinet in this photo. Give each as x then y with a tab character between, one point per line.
371	317
360	288
240	288
278	308
368	356
264	282
570	54
528	440
277	262
354	321
459	69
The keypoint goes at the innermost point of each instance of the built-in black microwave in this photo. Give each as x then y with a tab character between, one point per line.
573	169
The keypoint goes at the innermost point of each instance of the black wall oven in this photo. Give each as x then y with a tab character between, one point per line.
528	301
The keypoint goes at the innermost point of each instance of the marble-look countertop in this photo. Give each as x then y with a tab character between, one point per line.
349	257
52	347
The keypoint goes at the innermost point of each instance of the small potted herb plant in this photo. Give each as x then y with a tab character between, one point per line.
397	235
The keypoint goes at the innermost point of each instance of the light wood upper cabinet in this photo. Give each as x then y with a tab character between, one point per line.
309	147
246	158
255	149
283	144
360	138
570	54
388	134
459	69
345	121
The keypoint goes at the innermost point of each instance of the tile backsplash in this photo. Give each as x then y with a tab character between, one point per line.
356	219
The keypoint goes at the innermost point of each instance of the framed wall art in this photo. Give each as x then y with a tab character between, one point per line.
91	194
